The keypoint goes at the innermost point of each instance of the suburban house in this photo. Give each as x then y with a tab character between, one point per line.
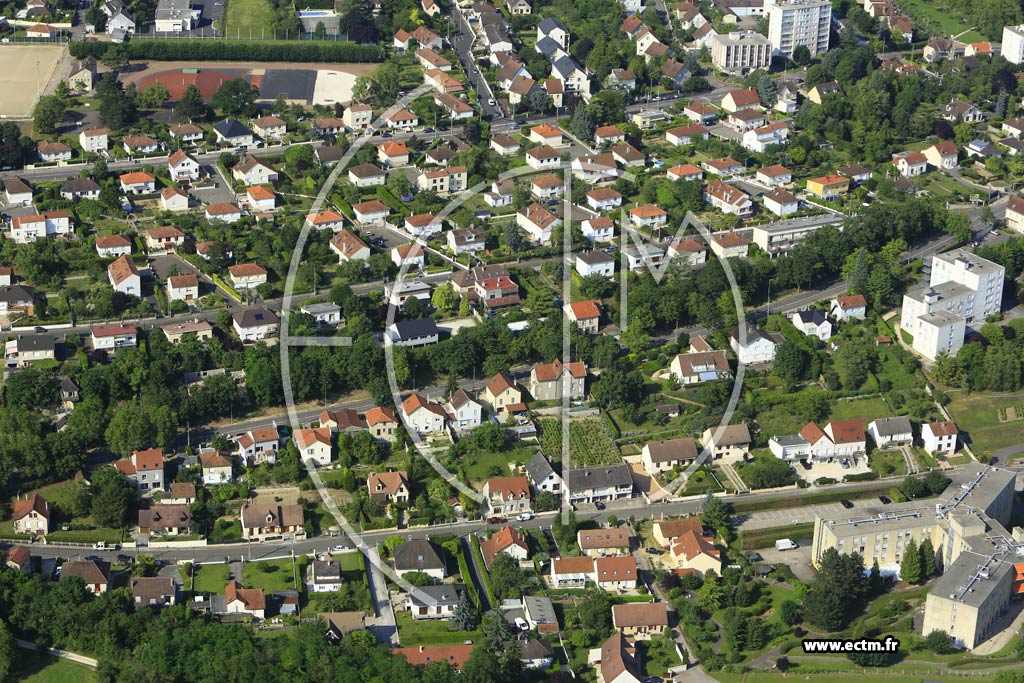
571	572
420	556
31	515
382	423
849	307
247	275
180	493
263	521
758	346
548	381
586	315
113	337
840	439
501	393
388	487
53	151
507	541
601	542
139	144
182	166
95	574
259	445
348	247
173	199
416	332
813	323
603	199
251	171
314	444
434	602
464	411
507	495
598	483
217	469
939	437
222	212
543	477
663	456
728	441
692	550
888	432
616	573
183	287
269	127
537	221
942	155
144	470
124	276
137	182
231	132
371	213
421	657
423	417
163	239
17	192
238	600
343	421
165	520
253	324
666	531
324	576
153	591
781	202
25	229
641	621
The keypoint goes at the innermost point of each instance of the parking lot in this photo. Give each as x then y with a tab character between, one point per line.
767	519
831	470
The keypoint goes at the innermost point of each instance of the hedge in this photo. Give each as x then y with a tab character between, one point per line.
236	51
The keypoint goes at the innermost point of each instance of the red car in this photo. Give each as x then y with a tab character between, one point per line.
495	520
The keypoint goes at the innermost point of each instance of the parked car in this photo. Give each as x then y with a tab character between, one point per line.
884	500
525	517
599	505
521	624
495	520
846	504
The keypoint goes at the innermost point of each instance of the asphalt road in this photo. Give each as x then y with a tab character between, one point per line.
633	507
463	45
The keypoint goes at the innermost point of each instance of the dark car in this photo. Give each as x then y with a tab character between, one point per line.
653	551
40	328
885	500
495	520
846	504
124	559
428	129
599	505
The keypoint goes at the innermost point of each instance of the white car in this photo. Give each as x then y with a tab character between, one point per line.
521	624
491	102
525	517
340	549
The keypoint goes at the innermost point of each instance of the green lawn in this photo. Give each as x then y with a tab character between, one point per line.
978	416
937	19
479	464
273	575
61	496
659	656
888	463
864	409
247	18
858	676
430	631
210	578
36	667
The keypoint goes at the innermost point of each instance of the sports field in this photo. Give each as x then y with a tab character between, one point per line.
24	69
249	19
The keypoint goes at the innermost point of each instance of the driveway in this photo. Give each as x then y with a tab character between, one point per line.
384	627
477	571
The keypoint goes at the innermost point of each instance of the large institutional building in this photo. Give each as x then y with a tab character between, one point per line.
798	22
741	51
1013	44
963	289
983	562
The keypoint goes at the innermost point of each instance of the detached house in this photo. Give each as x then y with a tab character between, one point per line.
888	432
257	446
182	166
939	437
238	600
663	456
31	515
124	276
602	541
386	488
95	574
137	182
165	520
183	287
144	470
348	247
813	323
464	411
506	496
140	144
263	521
251	171
537	221
216	468
53	151
505	541
548	382
314	444
641	621
942	155
422	416
422	557
851	307
501	394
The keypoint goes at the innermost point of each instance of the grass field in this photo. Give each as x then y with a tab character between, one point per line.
273	575
937	20
210	578
765	538
864	409
35	667
978	416
430	632
888	463
854	676
247	18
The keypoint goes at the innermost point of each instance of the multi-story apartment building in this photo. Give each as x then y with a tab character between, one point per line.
967	527
798	22
741	52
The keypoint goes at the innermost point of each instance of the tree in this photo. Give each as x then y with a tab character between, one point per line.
767	91
790	363
939	642
236	97
801	55
48	113
710	596
790	613
320	31
506	577
154	96
495	631
6	651
111	497
191	105
928	564
910	566
129	429
582	125
466	616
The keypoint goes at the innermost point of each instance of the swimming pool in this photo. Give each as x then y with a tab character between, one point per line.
314	13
